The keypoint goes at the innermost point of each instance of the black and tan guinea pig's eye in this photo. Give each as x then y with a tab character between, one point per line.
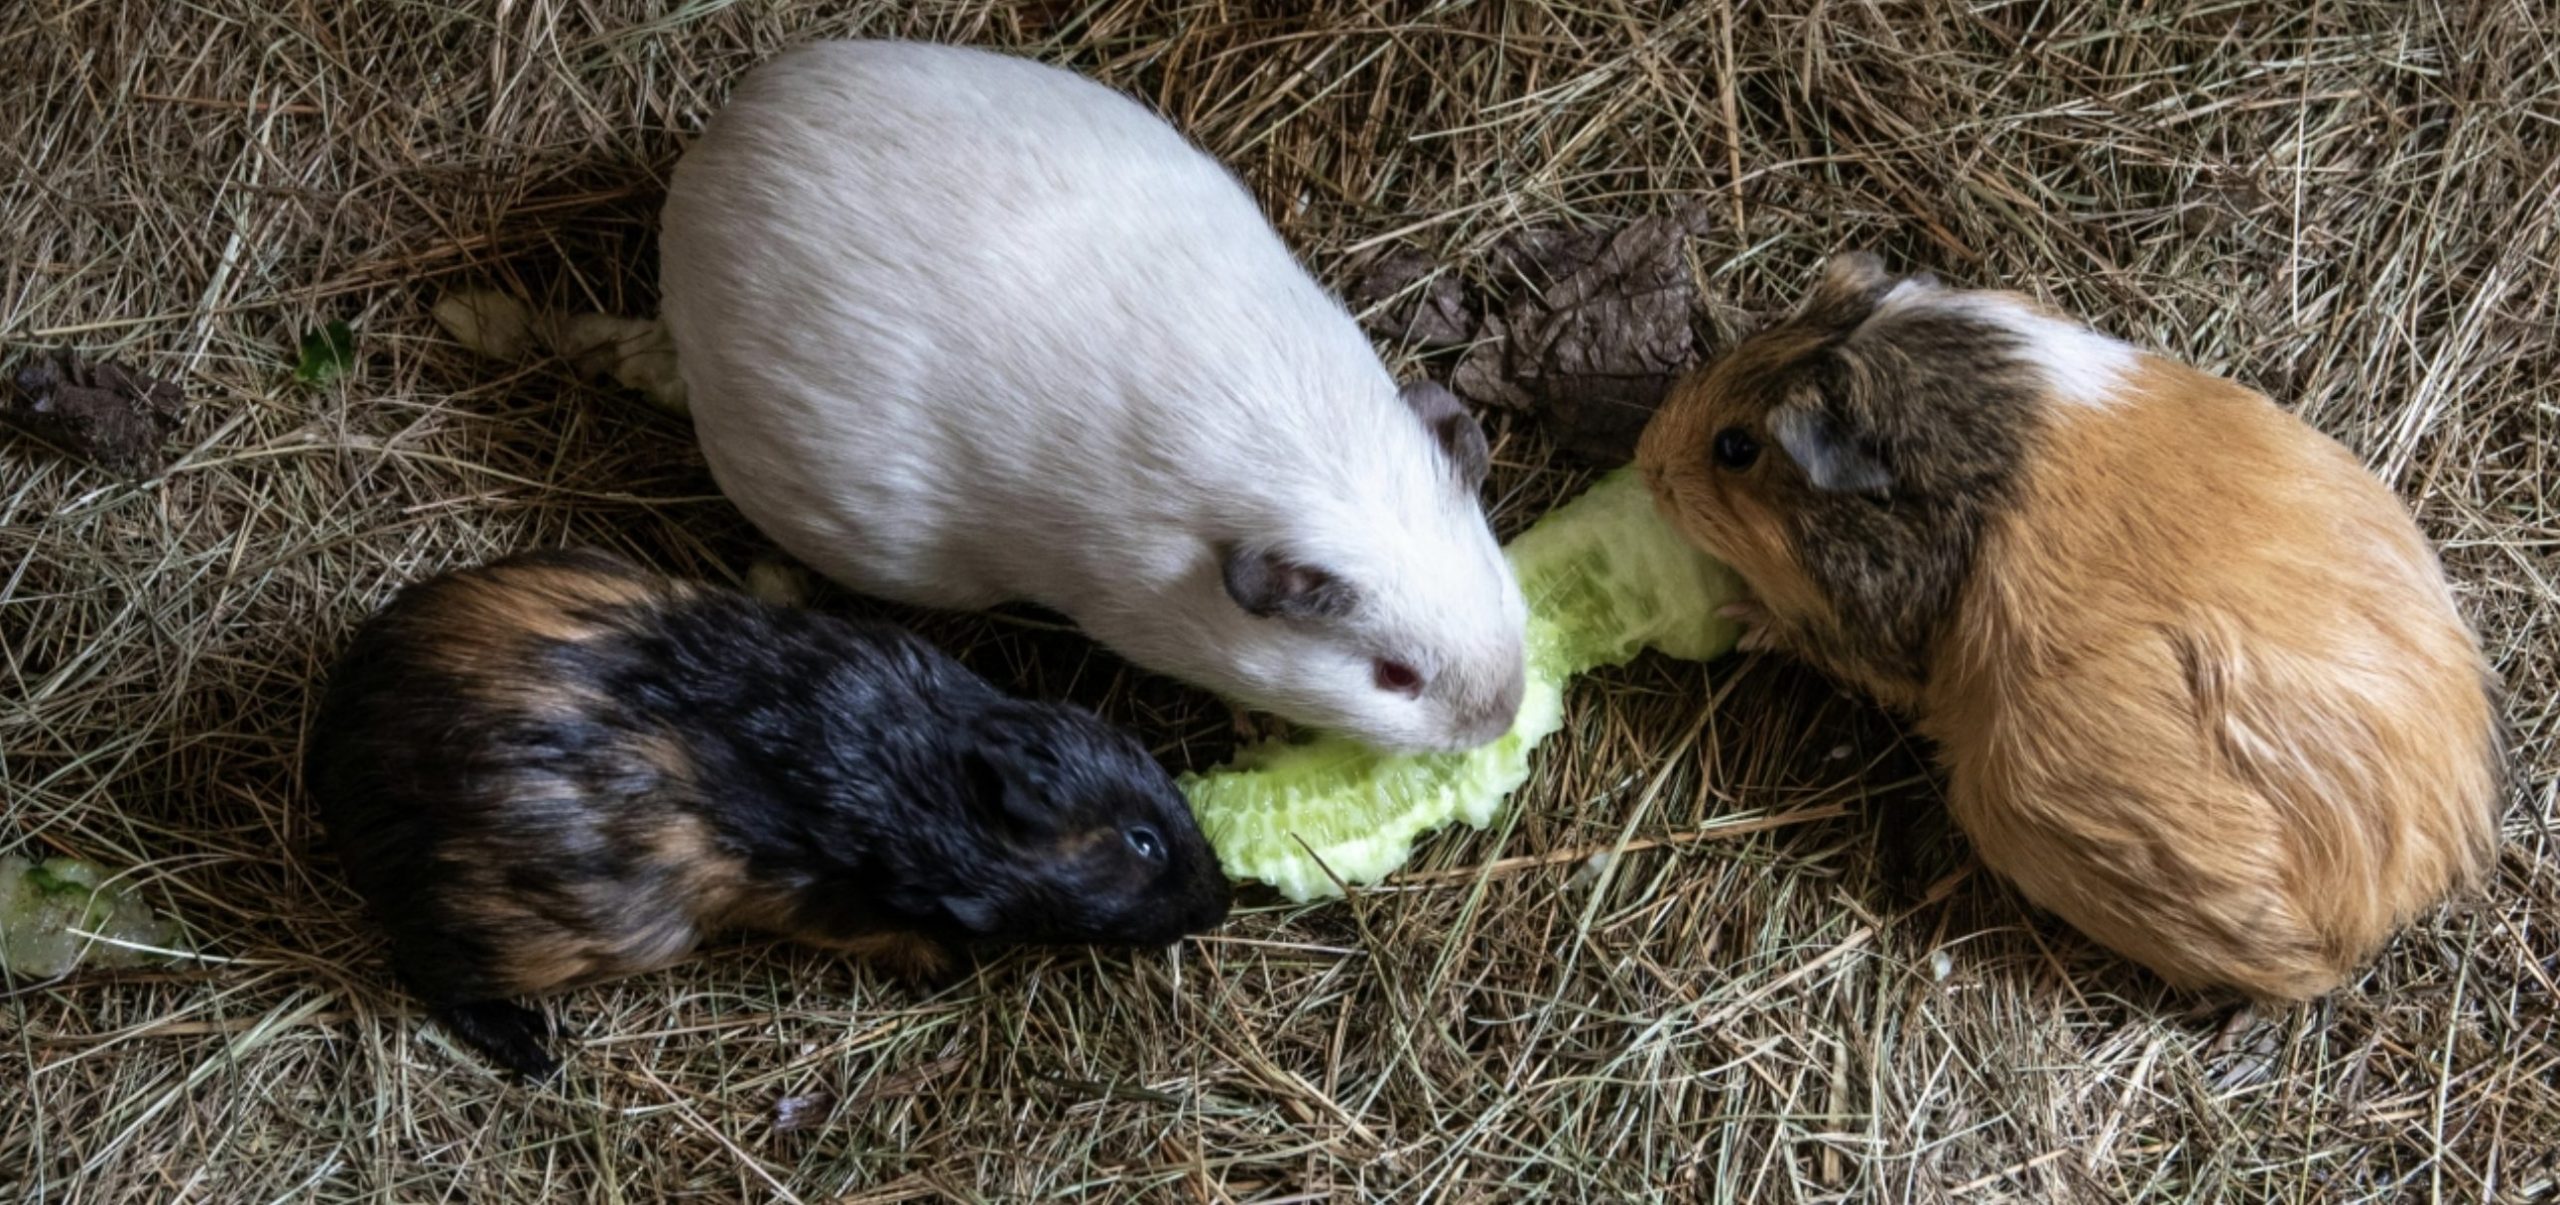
1148	842
1397	676
1736	449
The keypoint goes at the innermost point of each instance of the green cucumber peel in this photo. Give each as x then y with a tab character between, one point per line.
1605	578
59	914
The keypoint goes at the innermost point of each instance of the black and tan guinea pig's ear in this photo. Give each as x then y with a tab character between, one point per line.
1270	584
1014	772
1852	285
1453	426
1831	457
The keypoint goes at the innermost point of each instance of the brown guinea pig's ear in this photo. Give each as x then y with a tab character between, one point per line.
1852	284
1270	585
1830	457
1449	421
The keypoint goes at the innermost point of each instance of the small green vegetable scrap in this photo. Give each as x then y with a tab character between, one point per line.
1604	577
61	912
327	354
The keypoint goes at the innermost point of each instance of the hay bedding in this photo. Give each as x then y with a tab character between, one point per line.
2350	203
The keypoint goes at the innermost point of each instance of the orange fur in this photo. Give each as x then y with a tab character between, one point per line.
2204	694
2211	701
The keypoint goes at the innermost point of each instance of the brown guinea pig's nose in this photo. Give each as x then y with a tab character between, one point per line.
1648	472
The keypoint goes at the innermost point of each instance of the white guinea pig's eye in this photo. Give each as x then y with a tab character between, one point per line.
1396	676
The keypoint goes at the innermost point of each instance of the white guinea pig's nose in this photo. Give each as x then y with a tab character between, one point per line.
1496	716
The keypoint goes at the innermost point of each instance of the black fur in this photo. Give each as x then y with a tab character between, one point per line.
499	795
510	1035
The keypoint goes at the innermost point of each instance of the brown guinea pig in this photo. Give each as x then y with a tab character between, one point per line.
556	769
2198	682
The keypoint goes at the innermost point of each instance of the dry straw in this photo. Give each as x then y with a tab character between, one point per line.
2349	202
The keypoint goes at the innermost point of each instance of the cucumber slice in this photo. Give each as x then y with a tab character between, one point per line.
1604	578
53	914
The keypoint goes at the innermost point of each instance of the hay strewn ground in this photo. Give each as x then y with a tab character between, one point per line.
2350	203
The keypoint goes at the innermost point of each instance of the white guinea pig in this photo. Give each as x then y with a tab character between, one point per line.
959	328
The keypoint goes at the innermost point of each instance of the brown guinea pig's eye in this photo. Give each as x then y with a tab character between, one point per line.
1736	449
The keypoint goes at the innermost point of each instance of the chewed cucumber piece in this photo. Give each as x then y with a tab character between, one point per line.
1612	579
59	913
1286	814
1604	578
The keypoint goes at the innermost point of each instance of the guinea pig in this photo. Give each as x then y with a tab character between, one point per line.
556	769
959	329
2198	682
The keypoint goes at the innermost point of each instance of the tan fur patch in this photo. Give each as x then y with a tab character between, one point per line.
487	626
2211	702
532	953
680	887
718	893
1068	847
712	884
908	956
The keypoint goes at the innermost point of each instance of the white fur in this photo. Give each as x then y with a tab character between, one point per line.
2080	366
958	328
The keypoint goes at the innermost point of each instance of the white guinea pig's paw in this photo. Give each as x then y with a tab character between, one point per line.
488	322
779	582
637	353
1756	629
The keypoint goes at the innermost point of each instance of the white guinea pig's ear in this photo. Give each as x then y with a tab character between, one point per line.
1454	426
1270	585
1830	458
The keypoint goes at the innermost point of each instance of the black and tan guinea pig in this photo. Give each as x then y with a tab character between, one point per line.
557	768
2198	681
